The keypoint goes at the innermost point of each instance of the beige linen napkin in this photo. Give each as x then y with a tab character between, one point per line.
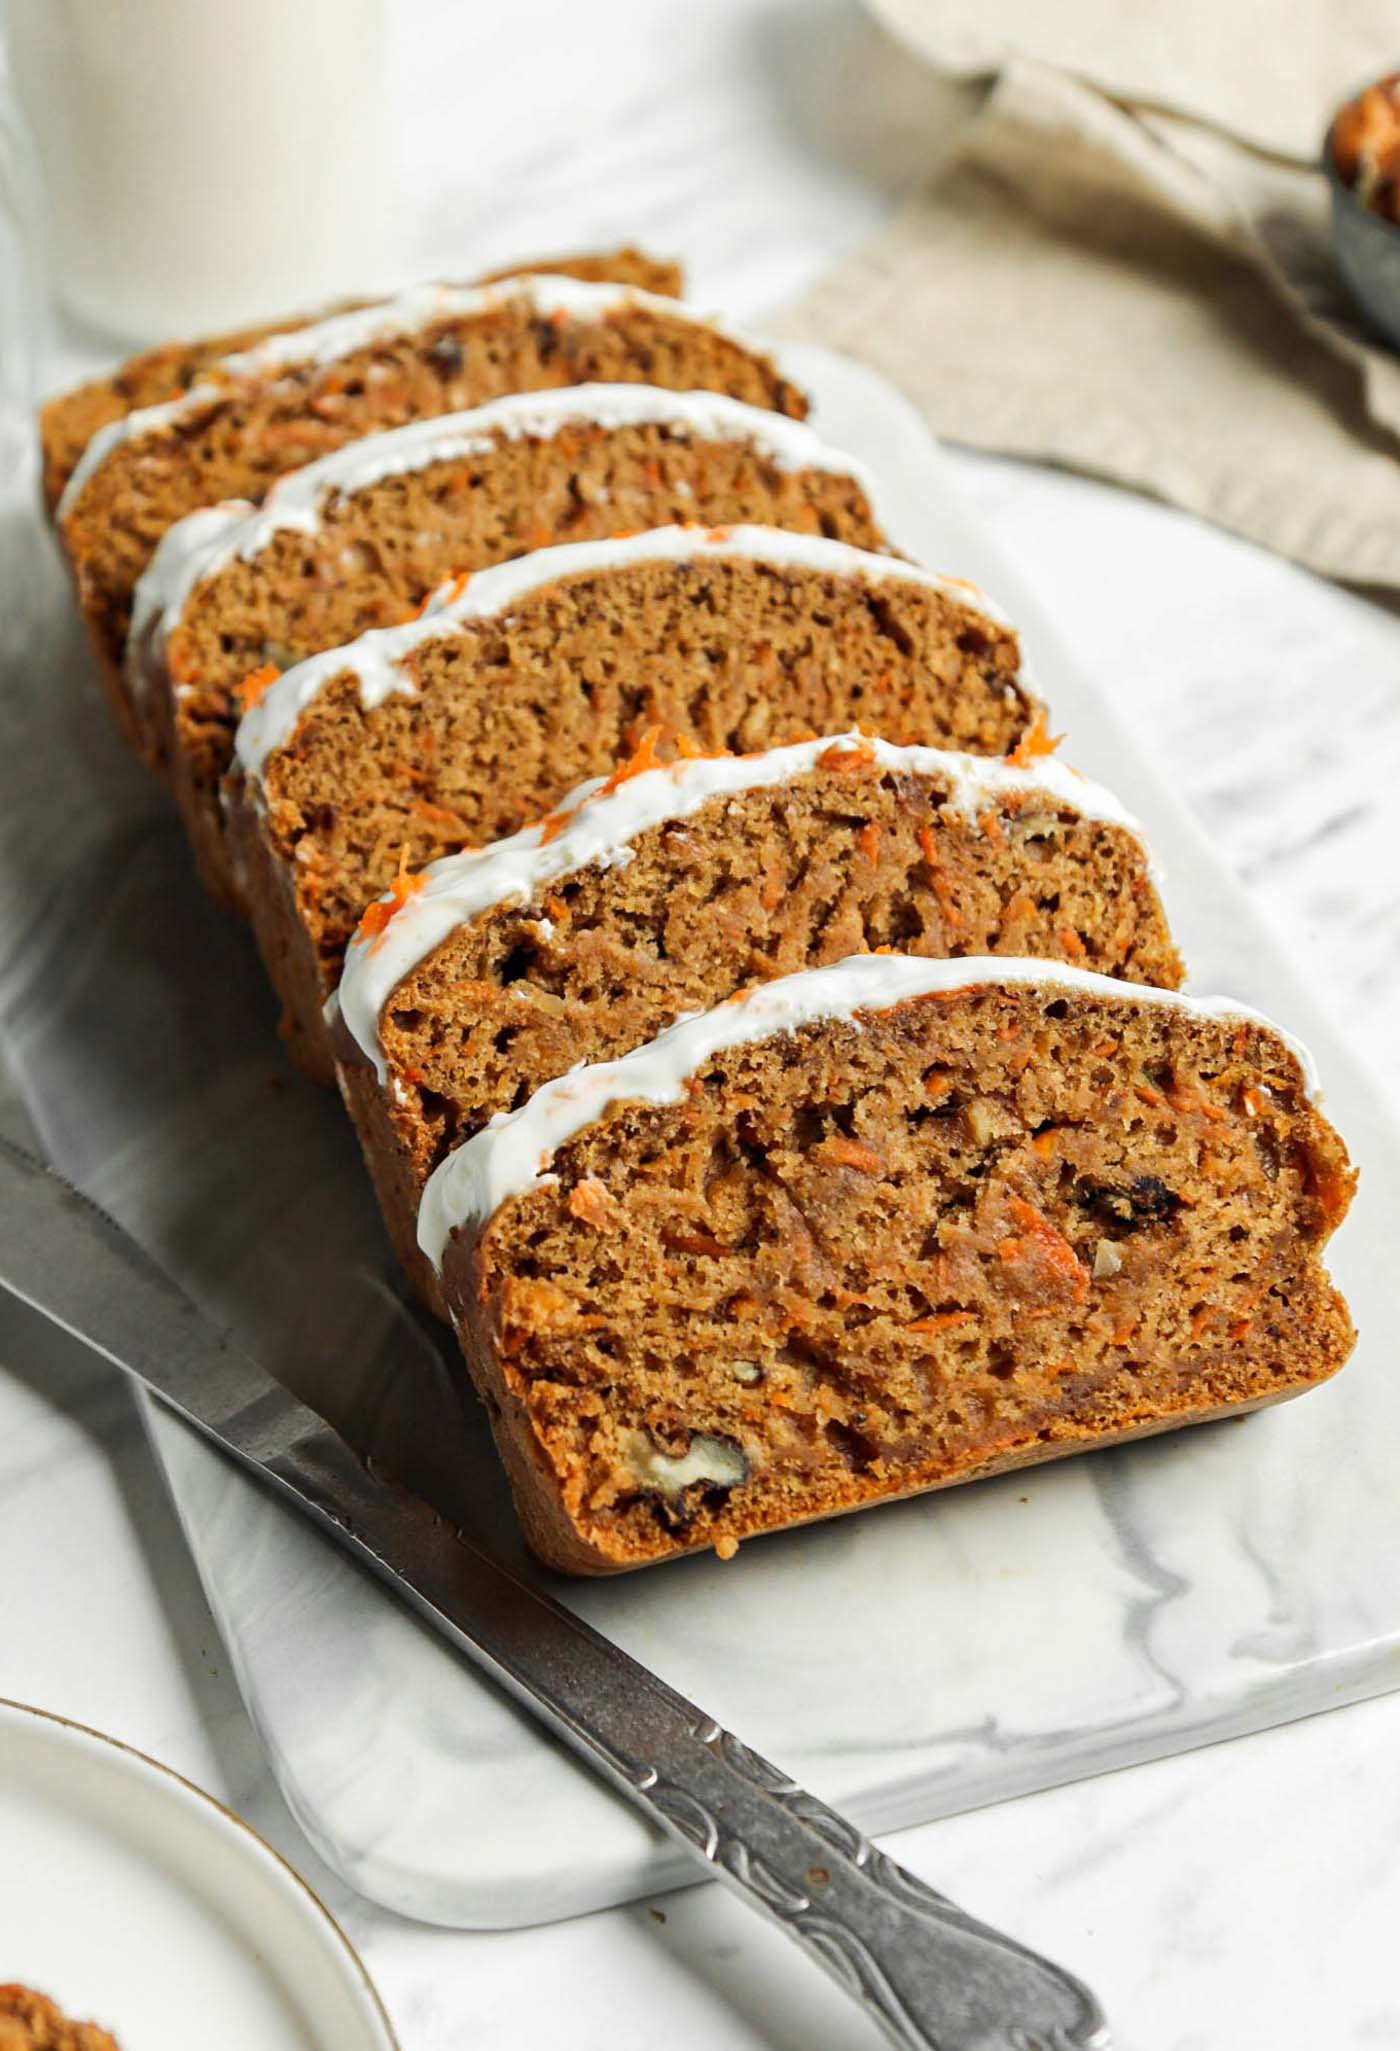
1132	290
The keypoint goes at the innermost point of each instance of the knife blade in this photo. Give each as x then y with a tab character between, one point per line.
930	1976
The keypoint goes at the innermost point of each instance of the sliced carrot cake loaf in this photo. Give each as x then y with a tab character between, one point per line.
68	422
668	888
358	540
31	2022
878	1228
297	395
465	724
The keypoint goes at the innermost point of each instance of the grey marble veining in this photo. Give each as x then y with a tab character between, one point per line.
912	1662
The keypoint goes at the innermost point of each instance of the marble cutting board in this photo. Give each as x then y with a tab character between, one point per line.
907	1663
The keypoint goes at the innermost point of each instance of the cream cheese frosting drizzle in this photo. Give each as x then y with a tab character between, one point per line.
546	294
596	825
206	542
377	660
512	1155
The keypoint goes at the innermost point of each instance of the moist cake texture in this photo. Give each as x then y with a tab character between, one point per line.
668	888
297	395
31	2022
68	422
360	539
369	761
880	1228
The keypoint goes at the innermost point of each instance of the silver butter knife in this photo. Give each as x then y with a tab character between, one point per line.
933	1978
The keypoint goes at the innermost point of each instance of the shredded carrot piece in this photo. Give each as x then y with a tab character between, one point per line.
1201	1316
643	758
928	846
991	827
1045	1143
1051	1250
590	1202
559	318
720	534
692	1242
869	838
943	1320
1071	942
1240	1329
436	815
377	916
938	1082
1148	1095
1253	1100
1106	1047
846	761
651	471
256	685
853	1154
1034	743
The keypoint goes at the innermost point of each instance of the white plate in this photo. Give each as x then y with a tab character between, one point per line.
137	1902
906	1663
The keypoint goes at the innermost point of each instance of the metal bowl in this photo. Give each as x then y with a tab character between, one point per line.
1367	251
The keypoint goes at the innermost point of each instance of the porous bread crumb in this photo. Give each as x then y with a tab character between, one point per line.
928	1313
244	435
510	713
411	530
749	887
68	422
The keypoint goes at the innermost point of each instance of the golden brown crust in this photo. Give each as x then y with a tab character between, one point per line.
508	718
847	858
31	2022
873	1258
68	422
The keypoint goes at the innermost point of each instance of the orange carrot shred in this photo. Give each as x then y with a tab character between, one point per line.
377	915
942	1321
870	843
590	1202
1034	743
256	685
846	761
853	1155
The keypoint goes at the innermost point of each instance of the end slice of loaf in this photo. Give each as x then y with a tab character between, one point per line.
68	422
360	538
669	888
464	725
297	395
877	1229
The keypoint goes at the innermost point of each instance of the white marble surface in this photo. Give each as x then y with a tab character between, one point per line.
1245	1894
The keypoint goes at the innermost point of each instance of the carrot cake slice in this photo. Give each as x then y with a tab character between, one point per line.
878	1228
465	724
667	888
31	2022
360	538
68	422
297	395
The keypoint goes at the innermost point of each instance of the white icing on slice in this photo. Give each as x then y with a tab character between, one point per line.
514	871
512	1155
204	543
327	341
377	659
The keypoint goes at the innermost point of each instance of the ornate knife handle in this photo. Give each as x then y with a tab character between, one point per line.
932	1977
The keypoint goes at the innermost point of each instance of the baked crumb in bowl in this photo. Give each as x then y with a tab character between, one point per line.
1361	158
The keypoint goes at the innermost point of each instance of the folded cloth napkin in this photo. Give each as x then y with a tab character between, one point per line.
1121	264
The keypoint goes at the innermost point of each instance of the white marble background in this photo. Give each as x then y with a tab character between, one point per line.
1243	1896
